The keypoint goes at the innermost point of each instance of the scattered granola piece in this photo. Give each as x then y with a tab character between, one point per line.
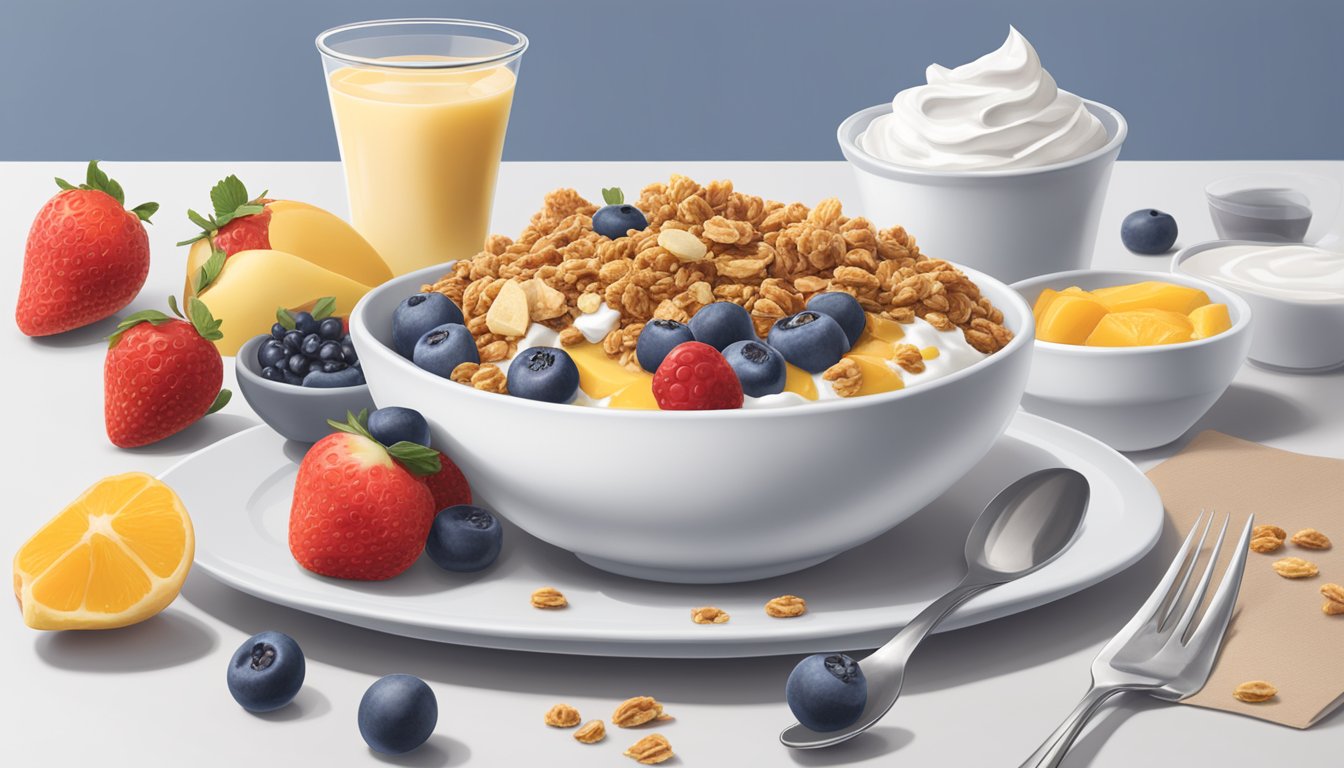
1332	608
588	303
786	607
571	336
1269	530
562	716
1334	600
592	732
1295	568
1310	538
463	372
548	597
708	614
636	711
650	750
1255	691
846	377
909	358
1265	544
489	378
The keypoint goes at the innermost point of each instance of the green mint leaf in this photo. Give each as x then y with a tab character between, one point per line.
228	195
210	270
152	316
613	195
283	317
323	307
63	184
206	324
416	458
221	400
145	210
206	225
172	304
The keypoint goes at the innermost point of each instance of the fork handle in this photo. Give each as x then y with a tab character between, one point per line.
1051	753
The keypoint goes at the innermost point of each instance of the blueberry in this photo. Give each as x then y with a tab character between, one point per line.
346	377
294	340
419	314
810	340
348	351
311	344
1149	232
544	373
278	331
397	714
445	347
758	366
657	339
721	323
272	373
293	378
305	323
331	328
615	220
330	350
464	539
332	366
827	691
271	352
298	364
266	672
393	425
843	309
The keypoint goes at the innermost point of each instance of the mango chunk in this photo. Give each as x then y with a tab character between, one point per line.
800	382
599	375
1070	318
883	328
638	396
1140	328
1043	303
878	375
1210	320
1152	294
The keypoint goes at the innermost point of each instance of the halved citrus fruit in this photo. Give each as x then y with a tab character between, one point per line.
116	556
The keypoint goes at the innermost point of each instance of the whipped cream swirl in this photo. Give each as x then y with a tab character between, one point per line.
1001	111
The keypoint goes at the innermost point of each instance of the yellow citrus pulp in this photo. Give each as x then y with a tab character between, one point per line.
116	556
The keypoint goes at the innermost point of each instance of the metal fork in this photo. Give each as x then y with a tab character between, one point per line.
1161	651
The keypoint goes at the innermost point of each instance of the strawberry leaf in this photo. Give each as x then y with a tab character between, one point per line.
323	307
416	458
152	316
221	400
228	195
206	324
283	317
172	304
613	195
63	184
145	210
354	425
190	240
206	225
229	199
210	270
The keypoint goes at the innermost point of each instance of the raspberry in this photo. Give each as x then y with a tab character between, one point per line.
695	377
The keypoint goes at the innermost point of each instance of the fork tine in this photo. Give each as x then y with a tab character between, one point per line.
1197	598
1208	636
1153	605
1170	608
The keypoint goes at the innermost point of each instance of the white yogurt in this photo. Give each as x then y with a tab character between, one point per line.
1293	272
596	325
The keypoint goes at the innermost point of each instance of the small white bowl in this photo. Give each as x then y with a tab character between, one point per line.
298	413
707	496
1013	223
1133	398
1295	336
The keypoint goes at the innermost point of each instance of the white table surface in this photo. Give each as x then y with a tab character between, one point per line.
154	694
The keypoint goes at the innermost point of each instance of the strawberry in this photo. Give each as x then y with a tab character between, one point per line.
239	223
695	377
161	375
360	509
448	485
87	257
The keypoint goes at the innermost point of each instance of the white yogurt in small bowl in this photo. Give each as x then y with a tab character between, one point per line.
1296	292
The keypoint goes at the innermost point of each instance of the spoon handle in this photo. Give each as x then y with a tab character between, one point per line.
898	649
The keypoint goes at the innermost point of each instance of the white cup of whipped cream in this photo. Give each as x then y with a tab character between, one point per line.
989	164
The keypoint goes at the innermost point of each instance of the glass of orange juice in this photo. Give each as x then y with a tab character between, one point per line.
420	107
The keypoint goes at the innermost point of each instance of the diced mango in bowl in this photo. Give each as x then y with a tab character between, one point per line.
1136	315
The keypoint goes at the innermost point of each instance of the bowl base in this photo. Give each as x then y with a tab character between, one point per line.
699	575
1331	368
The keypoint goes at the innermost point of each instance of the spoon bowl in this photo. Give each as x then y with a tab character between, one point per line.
1025	527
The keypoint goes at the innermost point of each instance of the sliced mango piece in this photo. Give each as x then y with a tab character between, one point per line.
599	375
1151	294
878	375
1210	320
1141	327
638	395
1070	318
799	382
326	240
1043	303
883	328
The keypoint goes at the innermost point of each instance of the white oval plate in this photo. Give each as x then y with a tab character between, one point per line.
856	600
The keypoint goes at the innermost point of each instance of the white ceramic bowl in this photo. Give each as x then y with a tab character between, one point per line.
1133	398
1013	223
1290	335
711	496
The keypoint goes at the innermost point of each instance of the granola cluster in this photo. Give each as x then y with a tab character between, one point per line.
705	244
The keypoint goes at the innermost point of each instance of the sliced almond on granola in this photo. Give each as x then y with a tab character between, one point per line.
682	244
508	315
588	303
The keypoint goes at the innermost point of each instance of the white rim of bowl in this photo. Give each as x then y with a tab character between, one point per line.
1243	319
848	132
1190	250
359	326
512	52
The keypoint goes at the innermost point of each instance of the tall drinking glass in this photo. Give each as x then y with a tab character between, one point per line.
420	107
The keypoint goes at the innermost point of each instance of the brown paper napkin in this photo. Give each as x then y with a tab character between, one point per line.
1279	633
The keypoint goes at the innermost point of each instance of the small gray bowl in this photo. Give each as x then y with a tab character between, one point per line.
298	413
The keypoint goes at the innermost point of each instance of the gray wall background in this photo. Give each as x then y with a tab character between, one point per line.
666	79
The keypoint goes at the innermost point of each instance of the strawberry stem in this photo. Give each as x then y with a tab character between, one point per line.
96	179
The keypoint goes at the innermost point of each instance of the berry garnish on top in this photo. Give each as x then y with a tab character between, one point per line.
617	217
695	377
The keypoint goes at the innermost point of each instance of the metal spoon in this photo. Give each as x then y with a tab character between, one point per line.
1022	529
